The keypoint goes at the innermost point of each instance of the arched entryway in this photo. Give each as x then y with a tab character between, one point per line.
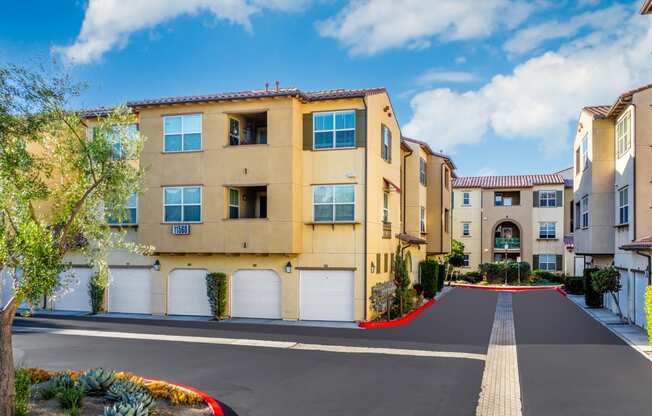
506	240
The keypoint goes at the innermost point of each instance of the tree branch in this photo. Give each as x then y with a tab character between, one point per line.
83	143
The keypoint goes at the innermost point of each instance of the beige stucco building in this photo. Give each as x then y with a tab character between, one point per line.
499	217
300	198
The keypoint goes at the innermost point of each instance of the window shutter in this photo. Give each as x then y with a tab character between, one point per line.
536	199
535	261
560	262
307	131
360	128
560	199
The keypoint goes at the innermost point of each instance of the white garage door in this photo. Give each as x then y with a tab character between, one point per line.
130	291
326	295
256	294
74	295
187	293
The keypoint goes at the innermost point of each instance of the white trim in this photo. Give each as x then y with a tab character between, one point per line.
333	203
201	199
183	132
621	205
547	224
625	150
334	130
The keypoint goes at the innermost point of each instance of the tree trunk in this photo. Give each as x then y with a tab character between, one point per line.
7	390
620	312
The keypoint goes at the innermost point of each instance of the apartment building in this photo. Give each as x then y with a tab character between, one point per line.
427	200
296	196
613	169
512	217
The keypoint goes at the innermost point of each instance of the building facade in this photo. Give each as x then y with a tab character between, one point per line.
512	217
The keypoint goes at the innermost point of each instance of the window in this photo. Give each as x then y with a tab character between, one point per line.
507	198
386	145
182	133
447	178
547	199
577	161
623	134
466	229
466	198
578	217
385	207
585	211
423	177
422	219
182	204
446	220
585	151
234	203
114	139
334	203
547	231
334	130
234	132
247	128
547	262
466	262
130	214
623	206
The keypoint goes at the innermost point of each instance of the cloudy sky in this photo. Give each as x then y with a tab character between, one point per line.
498	84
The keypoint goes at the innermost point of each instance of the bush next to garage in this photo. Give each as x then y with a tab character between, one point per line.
441	276
511	271
574	285
648	312
96	289
592	299
429	271
216	284
473	277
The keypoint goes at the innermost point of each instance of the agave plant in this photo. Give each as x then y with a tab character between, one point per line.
97	381
143	398
126	409
121	388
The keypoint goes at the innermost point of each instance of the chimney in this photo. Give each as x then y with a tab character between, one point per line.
267	87
278	86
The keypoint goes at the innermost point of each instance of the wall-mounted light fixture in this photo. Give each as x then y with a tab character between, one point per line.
372	269
156	266
288	267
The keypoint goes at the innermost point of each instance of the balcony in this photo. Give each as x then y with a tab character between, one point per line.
511	243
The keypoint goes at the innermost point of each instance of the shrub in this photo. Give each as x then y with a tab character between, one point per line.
511	271
473	276
70	398
418	288
38	375
216	291
429	270
592	299
574	285
404	294
96	288
607	280
648	312
441	276
22	386
96	381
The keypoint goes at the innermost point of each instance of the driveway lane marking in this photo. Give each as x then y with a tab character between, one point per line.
287	345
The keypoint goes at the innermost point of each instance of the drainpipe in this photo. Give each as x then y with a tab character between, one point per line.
404	179
441	207
366	196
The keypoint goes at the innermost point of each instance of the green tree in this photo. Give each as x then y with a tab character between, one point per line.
455	258
402	280
56	182
607	280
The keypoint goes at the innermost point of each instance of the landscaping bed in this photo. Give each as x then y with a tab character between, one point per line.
99	392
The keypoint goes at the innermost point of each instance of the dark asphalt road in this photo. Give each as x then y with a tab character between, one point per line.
262	381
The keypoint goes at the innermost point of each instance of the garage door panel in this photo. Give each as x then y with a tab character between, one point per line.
130	291
256	294
326	295
74	296
187	293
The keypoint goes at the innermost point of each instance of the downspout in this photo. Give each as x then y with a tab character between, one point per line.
404	181
634	170
366	196
441	206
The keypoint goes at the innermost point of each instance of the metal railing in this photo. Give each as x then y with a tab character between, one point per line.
511	243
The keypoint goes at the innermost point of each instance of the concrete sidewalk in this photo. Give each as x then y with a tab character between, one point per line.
635	336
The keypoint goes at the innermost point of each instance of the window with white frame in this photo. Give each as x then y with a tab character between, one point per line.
466	198
584	150
386	144
623	206
234	203
623	134
130	214
422	219
117	137
585	211
385	207
334	203
466	229
547	231
467	261
334	130
423	176
182	133
182	204
547	262
547	199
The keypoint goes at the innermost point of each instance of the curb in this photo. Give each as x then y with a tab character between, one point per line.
400	321
210	401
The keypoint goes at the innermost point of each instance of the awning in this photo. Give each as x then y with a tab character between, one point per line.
569	242
410	239
389	184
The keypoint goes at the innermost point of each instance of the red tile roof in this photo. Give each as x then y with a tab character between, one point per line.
644	243
515	181
428	149
410	239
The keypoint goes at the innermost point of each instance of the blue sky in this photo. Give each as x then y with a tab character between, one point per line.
497	84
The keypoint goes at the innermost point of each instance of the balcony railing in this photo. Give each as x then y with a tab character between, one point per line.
387	230
511	243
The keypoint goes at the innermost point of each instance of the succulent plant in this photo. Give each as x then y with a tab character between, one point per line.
63	380
126	409
121	388
97	380
143	398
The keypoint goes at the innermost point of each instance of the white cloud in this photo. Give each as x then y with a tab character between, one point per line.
366	27
486	171
531	37
543	95
108	23
436	75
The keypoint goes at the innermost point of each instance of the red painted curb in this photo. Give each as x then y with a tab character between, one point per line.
210	401
561	291
400	321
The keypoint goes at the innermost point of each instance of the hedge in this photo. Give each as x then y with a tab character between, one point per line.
495	272
592	299
441	276
574	285
429	270
216	291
